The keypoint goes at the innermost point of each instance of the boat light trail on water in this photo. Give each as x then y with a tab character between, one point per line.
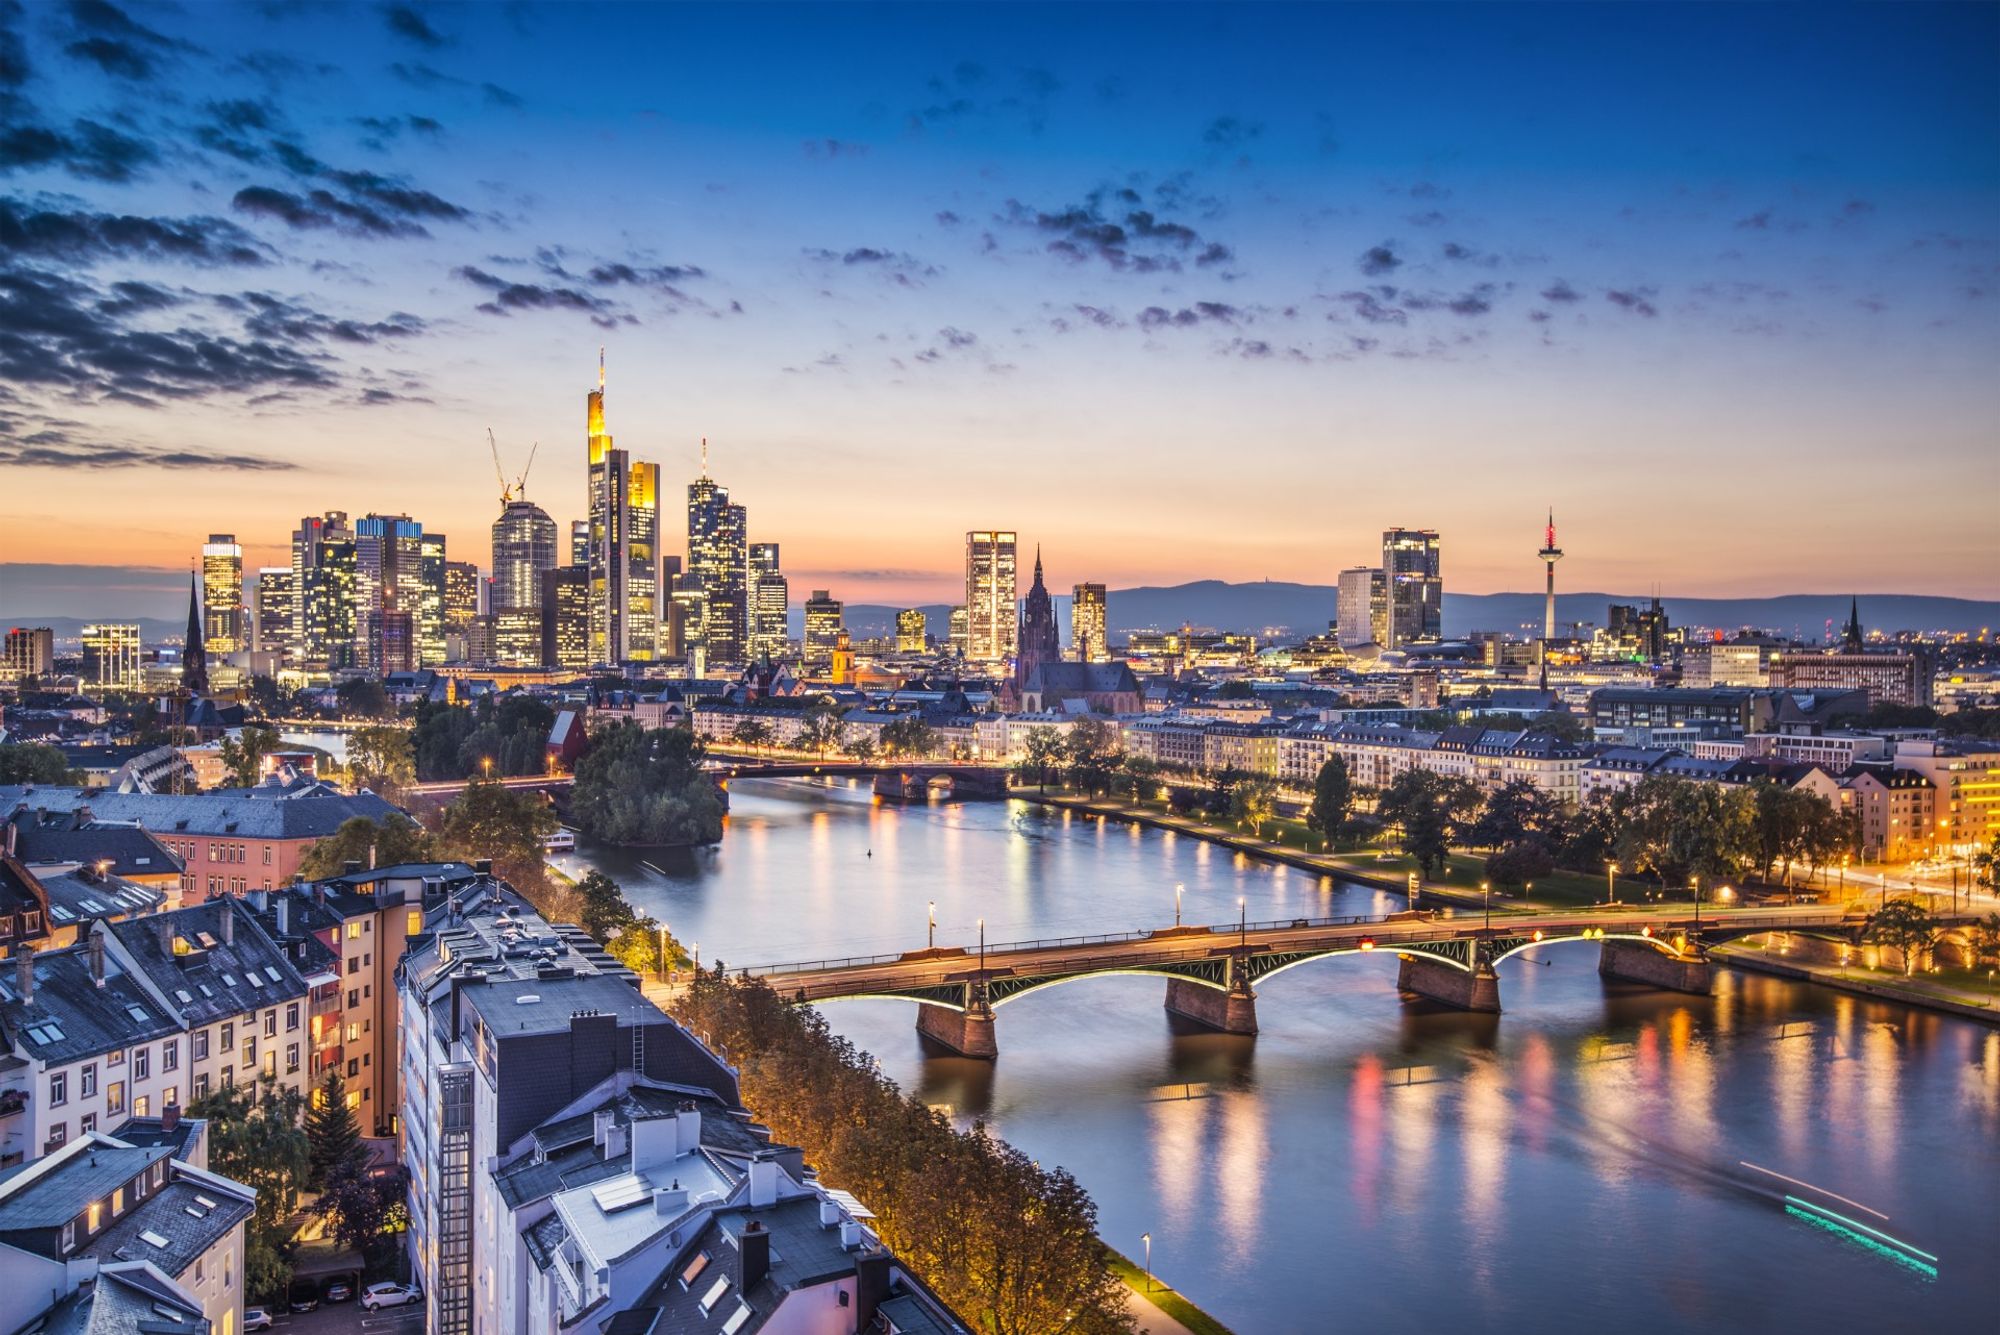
1873	1239
1830	1195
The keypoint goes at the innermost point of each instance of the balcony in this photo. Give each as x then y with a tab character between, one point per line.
13	1102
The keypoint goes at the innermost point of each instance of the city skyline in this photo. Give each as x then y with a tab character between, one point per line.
980	254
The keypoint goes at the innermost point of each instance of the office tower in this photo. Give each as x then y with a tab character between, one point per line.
604	505
222	594
770	602
111	657
823	627
719	560
274	614
31	652
1088	634
524	550
687	605
565	606
436	596
389	593
1550	554
1361	608
957	630
1039	641
640	527
323	583
989	596
579	542
909	631
194	648
1414	586
461	596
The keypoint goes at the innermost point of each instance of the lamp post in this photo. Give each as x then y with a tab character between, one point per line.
1177	904
1694	888
982	945
1486	889
930	940
1147	1238
1242	922
1611	882
663	952
1883	877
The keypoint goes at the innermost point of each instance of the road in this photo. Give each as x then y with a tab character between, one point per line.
347	1318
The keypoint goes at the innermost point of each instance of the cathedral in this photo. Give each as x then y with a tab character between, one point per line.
1043	681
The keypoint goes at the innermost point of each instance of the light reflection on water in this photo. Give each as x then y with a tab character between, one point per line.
1368	1163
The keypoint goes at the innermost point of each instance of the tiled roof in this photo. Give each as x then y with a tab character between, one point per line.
188	1215
244	812
56	1196
215	979
69	1017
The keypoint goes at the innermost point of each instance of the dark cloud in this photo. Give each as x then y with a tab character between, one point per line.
66	452
832	148
1100	317
971	92
1216	312
1561	291
1854	210
269	316
1756	222
946	218
322	209
899	267
419	75
1638	301
407	23
374	397
1378	260
1375	306
1230	133
508	297
658	275
384	129
14	64
75	236
1464	254
130	297
1121	227
107	37
1428	218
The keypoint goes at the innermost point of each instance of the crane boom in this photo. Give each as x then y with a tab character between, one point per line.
506	492
521	483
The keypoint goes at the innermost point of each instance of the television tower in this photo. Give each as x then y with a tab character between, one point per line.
1550	554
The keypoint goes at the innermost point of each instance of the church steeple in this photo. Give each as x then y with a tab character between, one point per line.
1852	638
194	654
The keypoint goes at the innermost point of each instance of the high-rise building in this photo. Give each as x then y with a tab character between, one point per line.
1039	641
579	542
823	627
566	618
718	558
958	623
31	652
390	593
111	657
222	594
461	596
910	631
432	622
274	614
323	576
524	550
1088	627
770	602
641	531
1413	582
687	615
1361	608
1550	554
989	596
605	503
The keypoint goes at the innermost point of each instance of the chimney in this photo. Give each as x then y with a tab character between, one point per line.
163	928
615	1141
601	1123
484	866
284	913
97	954
24	975
871	1286
352	867
260	900
753	1256
170	1115
228	922
668	1202
763	1180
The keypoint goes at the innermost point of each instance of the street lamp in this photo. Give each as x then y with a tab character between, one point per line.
1486	889
663	952
1694	888
486	763
1177	904
1611	882
982	945
1242	922
930	942
1147	1238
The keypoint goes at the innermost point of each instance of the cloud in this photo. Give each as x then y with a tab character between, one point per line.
407	23
384	129
972	92
78	237
1378	260
899	267
105	36
272	317
1375	307
832	148
90	151
374	205
1561	291
508	297
1638	300
1216	312
1756	222
1231	133
1121	227
419	75
94	455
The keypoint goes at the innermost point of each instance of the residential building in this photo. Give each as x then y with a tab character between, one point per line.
1898	813
989	595
30	653
823	628
1965	772
44	838
1624	707
1413	585
111	657
48	904
1089	619
1361	607
910	636
222	595
1705	665
770	602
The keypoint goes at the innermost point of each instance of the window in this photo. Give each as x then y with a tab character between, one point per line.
69	1235
201	1087
142	1106
115	1057
354	930
353	1067
170	1055
228	1037
228	1075
114	1097
291	1058
353	965
117	1201
353	999
58	1088
271	1024
58	1133
353	1031
142	1063
271	1062
414	924
88	1084
88	1124
291	1017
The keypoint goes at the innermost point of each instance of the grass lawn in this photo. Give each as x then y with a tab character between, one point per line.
1162	1297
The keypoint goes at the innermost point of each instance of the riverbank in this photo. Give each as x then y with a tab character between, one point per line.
1158	1307
1919	990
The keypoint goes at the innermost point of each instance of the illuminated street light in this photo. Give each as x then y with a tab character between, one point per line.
1611	882
1177	904
930	942
1147	1238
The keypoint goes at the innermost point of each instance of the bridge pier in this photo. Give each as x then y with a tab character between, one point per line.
1636	962
1230	1012
1437	981
969	1032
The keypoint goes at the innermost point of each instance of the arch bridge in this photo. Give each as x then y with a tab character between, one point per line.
1212	972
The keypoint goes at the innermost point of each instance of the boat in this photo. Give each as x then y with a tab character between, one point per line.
562	841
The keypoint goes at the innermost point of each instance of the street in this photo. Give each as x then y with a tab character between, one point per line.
347	1318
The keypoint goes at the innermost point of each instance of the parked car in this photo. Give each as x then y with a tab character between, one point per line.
390	1295
256	1318
340	1290
303	1296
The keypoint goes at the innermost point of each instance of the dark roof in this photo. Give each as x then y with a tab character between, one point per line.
251	813
151	1132
177	1214
62	1193
1081	679
566	1156
130	850
77	896
214	979
87	1019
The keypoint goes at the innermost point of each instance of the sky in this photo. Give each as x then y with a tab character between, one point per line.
1176	292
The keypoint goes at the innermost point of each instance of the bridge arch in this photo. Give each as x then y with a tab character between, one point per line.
1661	944
1043	984
1388	952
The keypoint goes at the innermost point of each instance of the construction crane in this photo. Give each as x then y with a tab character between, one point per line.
518	490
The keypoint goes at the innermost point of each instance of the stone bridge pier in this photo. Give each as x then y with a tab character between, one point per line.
1637	962
1449	985
1230	1011
968	1032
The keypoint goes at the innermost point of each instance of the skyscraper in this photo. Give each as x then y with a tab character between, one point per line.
1413	583
524	548
718	560
989	596
1089	635
641	531
824	614
111	657
565	604
770	602
222	594
605	506
910	631
430	622
31	652
323	577
1039	642
1361	607
274	617
389	594
579	542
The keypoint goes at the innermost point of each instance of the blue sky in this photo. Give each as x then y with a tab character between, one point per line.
1177	291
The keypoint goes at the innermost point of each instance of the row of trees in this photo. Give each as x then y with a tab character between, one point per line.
486	820
504	735
1010	1245
1908	926
646	786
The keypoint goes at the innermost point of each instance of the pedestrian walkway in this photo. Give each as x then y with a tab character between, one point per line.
1150	1319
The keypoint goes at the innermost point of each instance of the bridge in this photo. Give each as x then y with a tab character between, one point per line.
1212	972
895	780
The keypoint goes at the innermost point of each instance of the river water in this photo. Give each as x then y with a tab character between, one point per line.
1575	1164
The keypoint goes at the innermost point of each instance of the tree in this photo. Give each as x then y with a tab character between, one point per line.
752	733
333	1135
379	758
31	762
254	1137
1253	802
637	946
1984	941
821	730
605	912
1043	749
363	1209
1906	925
1138	775
1515	809
908	735
396	840
1091	751
243	755
1520	862
1431	812
1333	798
1680	828
364	698
860	747
510	826
646	786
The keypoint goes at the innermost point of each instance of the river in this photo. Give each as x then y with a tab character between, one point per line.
1575	1164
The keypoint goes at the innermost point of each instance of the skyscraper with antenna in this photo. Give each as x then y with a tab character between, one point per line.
1550	554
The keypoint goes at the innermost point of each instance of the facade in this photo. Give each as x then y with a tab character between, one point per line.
111	657
1038	642
30	653
461	596
770	602
823	628
642	563
389	593
1627	707
959	625
719	564
1413	585
1089	621
1900	677
524	550
223	631
910	632
1897	810
1965	773
324	578
1704	665
565	618
990	582
602	560
1361	612
274	612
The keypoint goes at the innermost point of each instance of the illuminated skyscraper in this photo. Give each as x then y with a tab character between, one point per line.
1361	608
274	614
111	657
956	633
770	602
641	532
1088	635
524	548
222	594
566	618
390	594
31	653
823	628
1413	584
323	578
718	560
605	506
579	542
909	631
433	600
989	596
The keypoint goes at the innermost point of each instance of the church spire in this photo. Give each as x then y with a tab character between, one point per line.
1852	636
194	653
